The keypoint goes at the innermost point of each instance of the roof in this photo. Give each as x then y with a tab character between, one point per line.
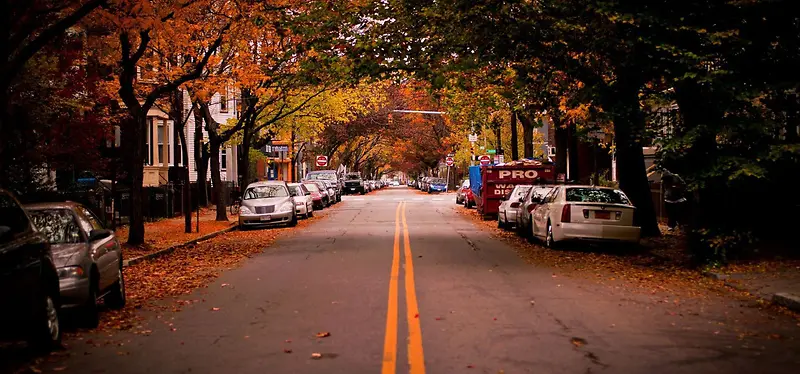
266	183
53	205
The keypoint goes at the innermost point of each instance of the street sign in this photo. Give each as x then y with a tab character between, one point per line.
450	161
501	159
322	161
491	151
485	160
473	137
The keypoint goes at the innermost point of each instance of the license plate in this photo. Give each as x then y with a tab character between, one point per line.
266	218
602	215
352	188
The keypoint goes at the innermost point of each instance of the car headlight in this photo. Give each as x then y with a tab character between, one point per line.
70	272
287	207
245	210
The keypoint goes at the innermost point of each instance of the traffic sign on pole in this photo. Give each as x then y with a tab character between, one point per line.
485	160
322	161
449	161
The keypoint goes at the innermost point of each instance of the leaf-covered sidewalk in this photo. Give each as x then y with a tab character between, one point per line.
167	233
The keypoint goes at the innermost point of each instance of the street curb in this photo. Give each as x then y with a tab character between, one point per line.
788	300
169	250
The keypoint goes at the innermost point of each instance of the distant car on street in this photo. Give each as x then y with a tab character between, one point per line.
29	286
267	203
330	177
88	258
437	185
507	212
585	213
303	201
353	184
316	195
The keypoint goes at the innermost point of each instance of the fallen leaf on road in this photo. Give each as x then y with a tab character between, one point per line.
533	302
35	370
438	318
316	356
416	315
214	309
287	341
60	368
225	285
578	342
470	366
495	318
286	350
323	334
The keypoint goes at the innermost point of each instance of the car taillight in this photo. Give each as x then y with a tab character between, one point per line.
566	213
531	207
515	205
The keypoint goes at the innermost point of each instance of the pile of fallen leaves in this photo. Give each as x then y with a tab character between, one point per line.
659	265
189	268
166	233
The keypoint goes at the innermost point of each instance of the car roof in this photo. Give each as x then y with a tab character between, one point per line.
53	205
266	183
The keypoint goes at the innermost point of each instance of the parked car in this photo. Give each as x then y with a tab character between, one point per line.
303	201
332	194
585	213
329	176
316	195
353	184
323	190
88	258
437	185
507	212
267	203
461	192
529	203
29	286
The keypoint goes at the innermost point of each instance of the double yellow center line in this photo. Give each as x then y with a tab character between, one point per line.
416	359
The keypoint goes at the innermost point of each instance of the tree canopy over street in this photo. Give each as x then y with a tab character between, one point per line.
711	84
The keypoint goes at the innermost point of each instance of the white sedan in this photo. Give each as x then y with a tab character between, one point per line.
507	212
303	201
585	213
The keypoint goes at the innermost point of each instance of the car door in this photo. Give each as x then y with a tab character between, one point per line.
542	212
21	255
107	250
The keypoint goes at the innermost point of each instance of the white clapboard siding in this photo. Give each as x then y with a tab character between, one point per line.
230	173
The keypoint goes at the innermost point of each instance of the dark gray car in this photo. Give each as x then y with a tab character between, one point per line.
88	257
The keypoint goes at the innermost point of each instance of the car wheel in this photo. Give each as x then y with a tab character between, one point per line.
310	213
549	241
46	334
500	224
293	222
115	299
529	232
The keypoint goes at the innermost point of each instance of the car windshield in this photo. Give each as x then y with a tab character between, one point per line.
263	192
596	195
295	190
57	225
312	187
437	181
520	191
352	176
540	192
321	176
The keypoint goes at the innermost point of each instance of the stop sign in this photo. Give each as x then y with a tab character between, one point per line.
485	160
449	161
322	160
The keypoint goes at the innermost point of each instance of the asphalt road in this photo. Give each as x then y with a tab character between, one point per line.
405	284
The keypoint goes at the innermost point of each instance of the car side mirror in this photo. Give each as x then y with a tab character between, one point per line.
98	234
4	230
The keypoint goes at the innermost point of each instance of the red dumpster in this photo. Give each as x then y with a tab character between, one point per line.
499	180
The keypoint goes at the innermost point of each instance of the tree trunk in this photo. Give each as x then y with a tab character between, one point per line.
216	180
527	135
136	140
498	136
187	189
562	143
244	158
629	125
514	141
200	159
572	148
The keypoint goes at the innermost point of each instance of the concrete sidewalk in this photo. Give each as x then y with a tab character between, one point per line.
780	285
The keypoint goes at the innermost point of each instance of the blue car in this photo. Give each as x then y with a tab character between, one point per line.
437	185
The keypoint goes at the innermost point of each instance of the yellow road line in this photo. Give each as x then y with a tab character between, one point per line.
416	358
390	340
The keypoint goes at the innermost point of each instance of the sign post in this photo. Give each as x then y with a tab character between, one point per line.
449	161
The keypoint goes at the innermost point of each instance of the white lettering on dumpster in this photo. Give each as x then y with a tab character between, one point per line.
518	174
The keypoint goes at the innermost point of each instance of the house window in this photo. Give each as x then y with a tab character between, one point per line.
223	103
224	161
160	136
148	152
